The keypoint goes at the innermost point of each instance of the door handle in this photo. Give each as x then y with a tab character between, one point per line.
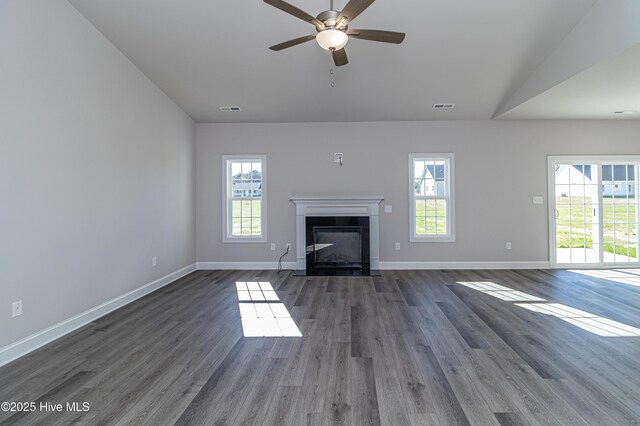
557	215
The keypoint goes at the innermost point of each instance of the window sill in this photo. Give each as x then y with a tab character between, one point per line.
244	239
448	239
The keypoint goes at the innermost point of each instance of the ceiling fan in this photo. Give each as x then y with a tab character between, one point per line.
332	28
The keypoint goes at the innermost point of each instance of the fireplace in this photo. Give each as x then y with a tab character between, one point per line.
351	223
337	245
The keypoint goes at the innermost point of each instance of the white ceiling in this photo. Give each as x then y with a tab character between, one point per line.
208	53
613	85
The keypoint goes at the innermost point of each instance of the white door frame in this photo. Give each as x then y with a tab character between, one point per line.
598	160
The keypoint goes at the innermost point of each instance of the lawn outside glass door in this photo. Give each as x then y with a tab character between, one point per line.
594	211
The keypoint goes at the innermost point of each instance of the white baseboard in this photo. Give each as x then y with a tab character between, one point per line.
244	265
384	265
41	338
543	264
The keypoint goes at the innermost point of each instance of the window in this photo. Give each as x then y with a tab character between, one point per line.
244	198
431	197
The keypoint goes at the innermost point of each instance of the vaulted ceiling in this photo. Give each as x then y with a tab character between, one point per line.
492	58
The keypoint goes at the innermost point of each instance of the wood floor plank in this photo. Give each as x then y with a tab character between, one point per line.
447	406
282	407
511	419
391	404
338	402
358	332
466	332
256	405
230	363
412	383
364	395
407	292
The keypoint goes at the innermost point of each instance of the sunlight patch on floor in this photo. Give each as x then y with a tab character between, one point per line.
500	292
587	321
260	317
256	291
622	276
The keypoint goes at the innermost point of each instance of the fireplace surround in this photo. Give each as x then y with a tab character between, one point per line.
339	223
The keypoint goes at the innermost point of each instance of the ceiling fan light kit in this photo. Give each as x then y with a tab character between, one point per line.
332	28
332	39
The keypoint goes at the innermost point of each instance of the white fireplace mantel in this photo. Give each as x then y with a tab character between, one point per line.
337	206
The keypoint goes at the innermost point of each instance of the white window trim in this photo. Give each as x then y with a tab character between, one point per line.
449	180
226	212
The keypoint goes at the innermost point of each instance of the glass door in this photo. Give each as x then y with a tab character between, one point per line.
577	230
594	212
620	213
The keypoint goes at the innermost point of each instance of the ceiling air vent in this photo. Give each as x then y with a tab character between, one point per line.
443	106
230	108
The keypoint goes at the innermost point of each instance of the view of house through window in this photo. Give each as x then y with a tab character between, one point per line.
431	197
245	200
595	212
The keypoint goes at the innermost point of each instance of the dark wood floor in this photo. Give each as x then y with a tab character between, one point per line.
407	348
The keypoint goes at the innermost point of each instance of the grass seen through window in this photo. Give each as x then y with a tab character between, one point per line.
246	217
431	217
575	224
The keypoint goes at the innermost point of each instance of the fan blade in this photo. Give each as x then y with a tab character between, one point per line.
292	10
376	35
339	57
293	42
353	9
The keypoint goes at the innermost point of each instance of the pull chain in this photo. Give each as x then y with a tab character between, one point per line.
331	72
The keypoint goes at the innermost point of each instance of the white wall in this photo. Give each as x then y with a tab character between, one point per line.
96	170
500	166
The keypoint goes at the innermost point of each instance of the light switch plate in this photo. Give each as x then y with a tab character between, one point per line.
538	199
388	208
16	309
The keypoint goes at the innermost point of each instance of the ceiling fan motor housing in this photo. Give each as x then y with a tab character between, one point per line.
328	18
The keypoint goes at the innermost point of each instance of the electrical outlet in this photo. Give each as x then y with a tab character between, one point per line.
508	246
288	246
16	309
273	246
388	208
397	246
154	261
538	199
338	158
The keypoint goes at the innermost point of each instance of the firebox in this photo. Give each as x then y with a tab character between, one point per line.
337	245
